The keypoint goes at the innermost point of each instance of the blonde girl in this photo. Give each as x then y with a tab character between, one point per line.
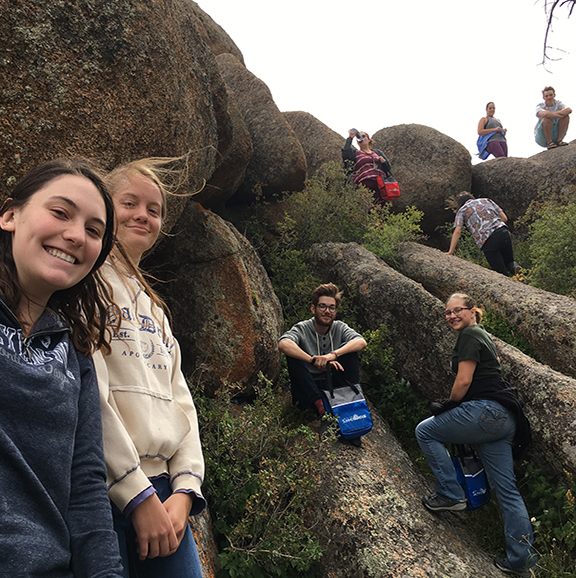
151	439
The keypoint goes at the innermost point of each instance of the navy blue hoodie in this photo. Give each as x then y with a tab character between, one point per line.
55	519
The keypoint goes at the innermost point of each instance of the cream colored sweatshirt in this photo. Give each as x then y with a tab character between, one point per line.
149	420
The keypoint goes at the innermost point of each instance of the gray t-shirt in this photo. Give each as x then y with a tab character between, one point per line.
492	124
304	334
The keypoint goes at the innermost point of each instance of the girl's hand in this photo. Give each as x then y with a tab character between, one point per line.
178	508
155	535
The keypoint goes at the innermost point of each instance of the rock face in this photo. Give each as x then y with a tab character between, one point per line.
110	80
513	183
429	167
225	314
546	320
232	170
213	34
371	523
320	143
201	527
423	344
278	163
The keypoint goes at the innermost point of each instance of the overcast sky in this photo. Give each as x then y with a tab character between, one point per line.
380	63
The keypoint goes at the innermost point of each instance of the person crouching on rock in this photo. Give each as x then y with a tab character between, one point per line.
486	221
311	345
366	164
482	410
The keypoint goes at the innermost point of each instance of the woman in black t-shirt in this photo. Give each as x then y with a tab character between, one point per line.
473	415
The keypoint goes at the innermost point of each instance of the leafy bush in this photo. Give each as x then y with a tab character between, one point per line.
387	230
502	328
260	472
554	520
552	244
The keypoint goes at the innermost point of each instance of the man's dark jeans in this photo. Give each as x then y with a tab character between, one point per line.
306	387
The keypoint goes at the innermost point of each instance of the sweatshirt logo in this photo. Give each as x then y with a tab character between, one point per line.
12	345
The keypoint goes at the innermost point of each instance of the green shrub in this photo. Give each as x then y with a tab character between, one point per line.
553	508
503	329
260	472
387	230
552	245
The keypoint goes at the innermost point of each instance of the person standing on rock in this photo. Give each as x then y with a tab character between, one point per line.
311	345
486	221
150	428
553	120
484	411
492	136
366	164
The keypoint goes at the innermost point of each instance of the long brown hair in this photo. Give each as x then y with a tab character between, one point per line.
84	305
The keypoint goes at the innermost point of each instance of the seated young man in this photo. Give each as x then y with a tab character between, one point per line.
553	120
311	345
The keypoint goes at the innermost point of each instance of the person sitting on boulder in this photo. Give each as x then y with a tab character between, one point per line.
492	136
366	164
486	221
311	345
553	120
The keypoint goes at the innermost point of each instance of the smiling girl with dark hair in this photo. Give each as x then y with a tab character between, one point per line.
56	230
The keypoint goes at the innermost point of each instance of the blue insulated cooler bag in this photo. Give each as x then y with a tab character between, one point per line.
348	404
471	476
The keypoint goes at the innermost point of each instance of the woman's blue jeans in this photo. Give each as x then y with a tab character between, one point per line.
490	428
184	563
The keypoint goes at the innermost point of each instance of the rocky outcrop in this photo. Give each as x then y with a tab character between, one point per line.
546	320
513	183
429	167
201	527
423	344
370	521
213	34
231	172
225	313
320	143
110	80
278	163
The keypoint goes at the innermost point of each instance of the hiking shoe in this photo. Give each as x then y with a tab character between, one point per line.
438	504
502	564
516	268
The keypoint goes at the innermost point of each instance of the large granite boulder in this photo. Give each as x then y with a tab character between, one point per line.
111	80
278	163
429	166
226	315
423	344
320	143
370	522
514	183
546	320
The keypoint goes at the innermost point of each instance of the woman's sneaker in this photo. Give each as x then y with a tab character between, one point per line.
502	564
438	504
